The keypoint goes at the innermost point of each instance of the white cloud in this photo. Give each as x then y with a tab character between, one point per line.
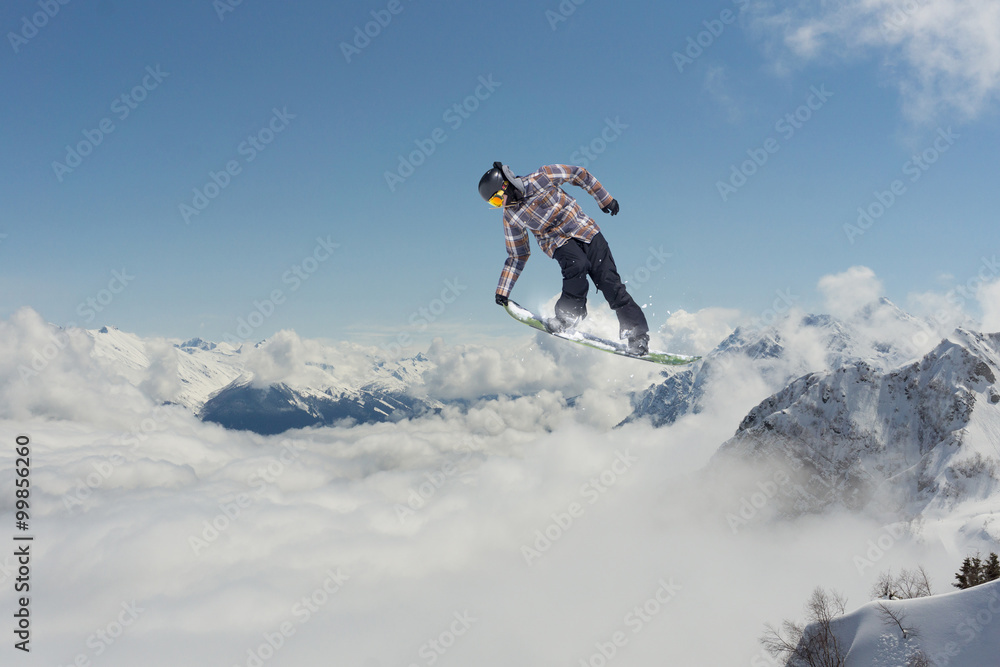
426	519
718	87
470	371
215	538
286	357
45	370
530	365
162	381
943	55
989	301
944	311
277	359
699	332
847	292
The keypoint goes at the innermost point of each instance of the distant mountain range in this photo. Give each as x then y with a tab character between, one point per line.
849	400
857	412
215	383
880	334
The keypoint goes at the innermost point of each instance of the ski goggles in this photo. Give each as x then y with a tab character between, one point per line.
496	201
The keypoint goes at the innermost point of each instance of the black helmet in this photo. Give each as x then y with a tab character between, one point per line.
496	179
491	182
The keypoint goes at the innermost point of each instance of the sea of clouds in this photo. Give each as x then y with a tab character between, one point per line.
521	528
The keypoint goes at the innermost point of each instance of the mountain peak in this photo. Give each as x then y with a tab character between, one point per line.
900	440
198	343
754	361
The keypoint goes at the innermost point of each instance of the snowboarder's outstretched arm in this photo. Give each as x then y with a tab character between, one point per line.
579	176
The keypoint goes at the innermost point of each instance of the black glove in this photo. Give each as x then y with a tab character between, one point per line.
611	208
501	300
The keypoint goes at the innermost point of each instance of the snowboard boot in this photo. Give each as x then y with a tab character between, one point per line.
567	317
564	322
638	345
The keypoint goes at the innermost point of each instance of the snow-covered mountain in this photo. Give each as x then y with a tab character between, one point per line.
920	437
756	361
223	383
201	368
279	406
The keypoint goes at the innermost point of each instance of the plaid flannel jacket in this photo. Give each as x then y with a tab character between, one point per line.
550	214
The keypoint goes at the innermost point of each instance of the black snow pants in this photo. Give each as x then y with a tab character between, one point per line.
578	260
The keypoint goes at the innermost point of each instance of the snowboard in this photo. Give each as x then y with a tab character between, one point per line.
525	316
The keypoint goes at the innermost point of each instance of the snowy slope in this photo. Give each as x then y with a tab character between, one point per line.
921	437
193	371
958	629
754	362
203	368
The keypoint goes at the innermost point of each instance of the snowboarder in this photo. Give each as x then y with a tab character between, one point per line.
564	232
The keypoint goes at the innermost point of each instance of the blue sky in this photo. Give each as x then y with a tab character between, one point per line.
236	153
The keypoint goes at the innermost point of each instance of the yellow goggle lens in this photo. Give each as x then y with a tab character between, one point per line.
497	199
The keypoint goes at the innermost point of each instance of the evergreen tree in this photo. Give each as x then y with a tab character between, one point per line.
975	571
991	570
970	574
